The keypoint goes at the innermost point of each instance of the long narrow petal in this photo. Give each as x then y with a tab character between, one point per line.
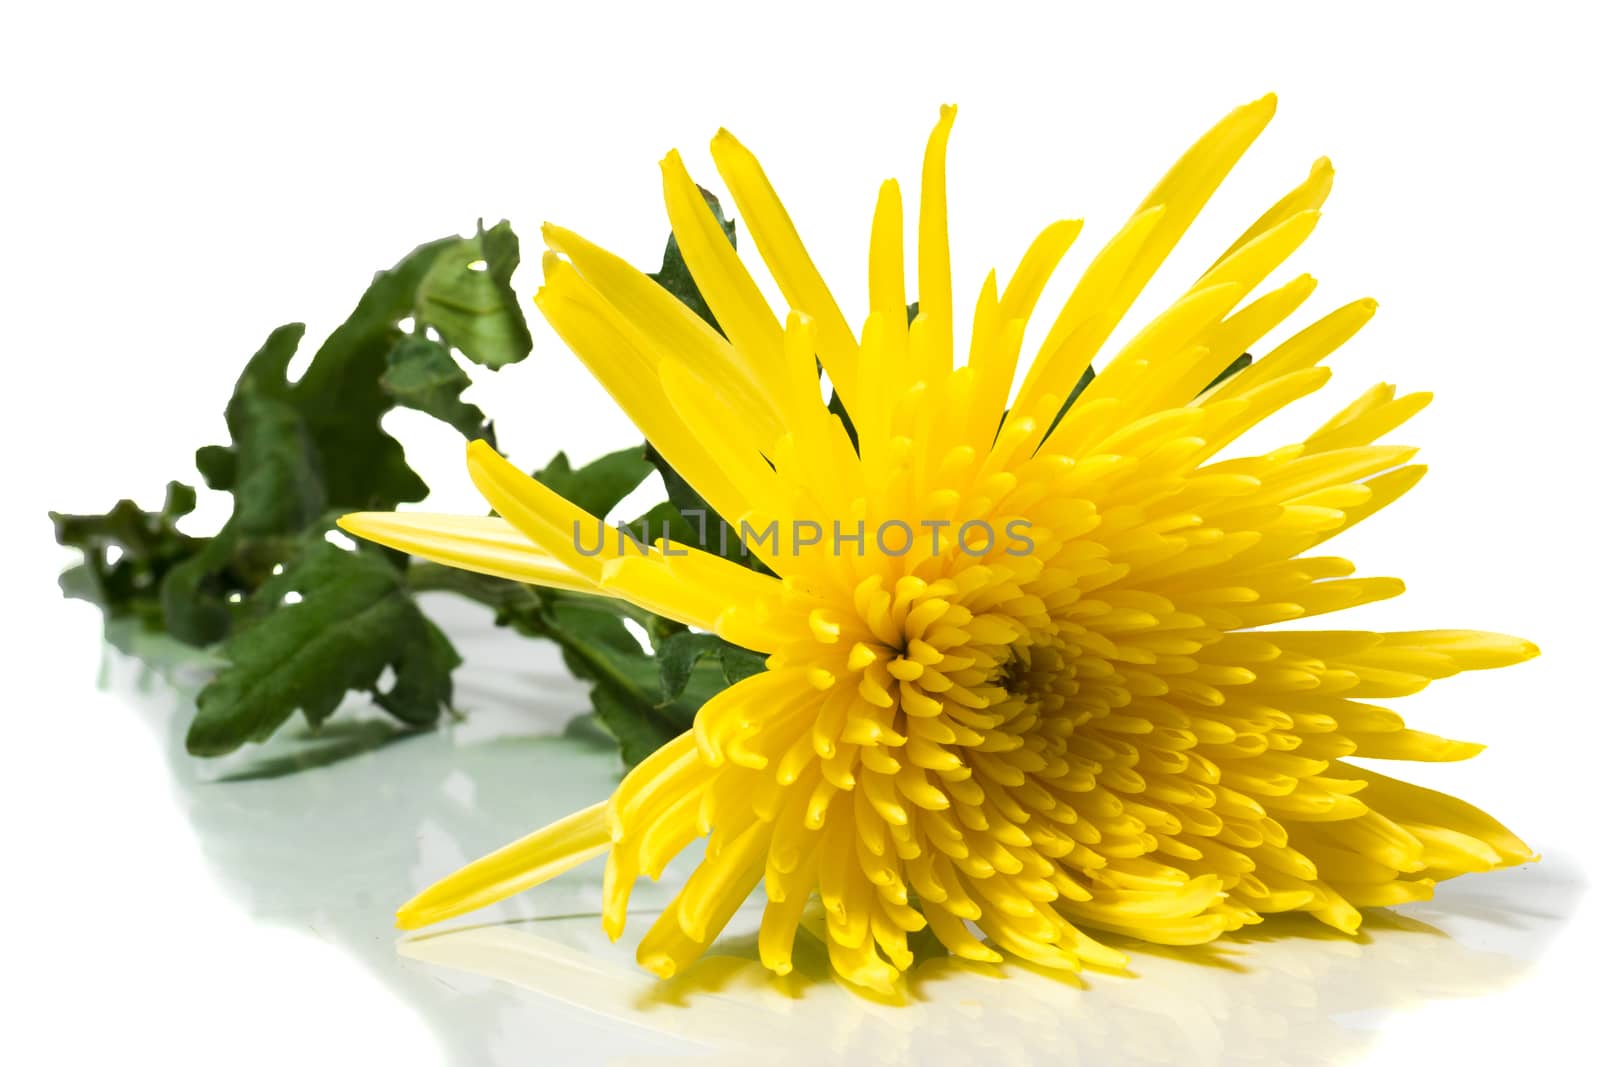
786	257
933	244
1179	196
728	288
1305	349
630	373
1307	196
557	525
886	257
660	322
520	865
486	544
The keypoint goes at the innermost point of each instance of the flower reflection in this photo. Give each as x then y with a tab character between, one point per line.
316	833
1281	995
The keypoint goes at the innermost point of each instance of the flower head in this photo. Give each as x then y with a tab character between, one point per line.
1087	720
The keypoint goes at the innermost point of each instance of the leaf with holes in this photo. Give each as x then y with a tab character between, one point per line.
466	295
127	552
424	376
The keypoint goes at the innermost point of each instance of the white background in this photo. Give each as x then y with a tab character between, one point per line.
180	180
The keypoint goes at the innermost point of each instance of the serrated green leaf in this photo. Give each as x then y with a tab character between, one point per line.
424	376
276	481
599	486
300	449
354	618
193	596
147	544
637	735
627	695
339	397
678	656
466	295
674	274
740	663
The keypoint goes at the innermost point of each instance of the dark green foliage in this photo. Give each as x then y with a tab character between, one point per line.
301	623
146	546
599	486
422	375
327	625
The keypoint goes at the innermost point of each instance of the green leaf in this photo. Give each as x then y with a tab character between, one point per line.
681	653
1229	371
194	595
836	407
1072	398
466	295
674	274
423	376
300	450
637	734
599	486
146	545
353	618
695	524
217	465
276	474
663	520
341	402
740	663
680	494
678	656
598	648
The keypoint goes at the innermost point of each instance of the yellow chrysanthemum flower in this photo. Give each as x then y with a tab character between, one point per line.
1105	732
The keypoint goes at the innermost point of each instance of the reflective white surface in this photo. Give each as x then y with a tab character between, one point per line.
326	834
185	177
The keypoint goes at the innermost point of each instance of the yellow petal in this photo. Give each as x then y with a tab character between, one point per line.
485	544
786	257
933	244
520	865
